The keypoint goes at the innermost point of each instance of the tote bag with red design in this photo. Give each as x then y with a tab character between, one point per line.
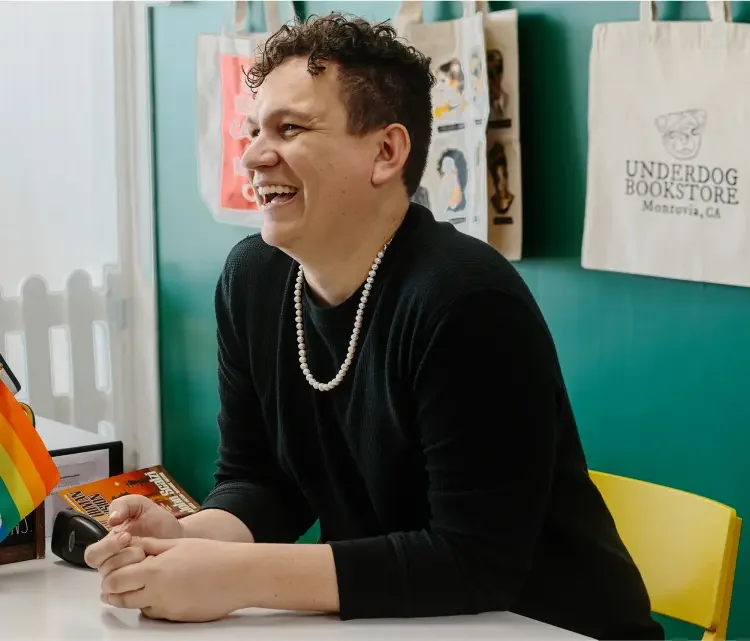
223	61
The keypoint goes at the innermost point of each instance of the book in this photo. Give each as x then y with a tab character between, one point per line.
154	482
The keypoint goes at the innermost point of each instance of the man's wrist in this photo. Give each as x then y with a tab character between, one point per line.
237	565
217	524
283	576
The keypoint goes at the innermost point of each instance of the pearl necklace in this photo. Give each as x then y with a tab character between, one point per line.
327	387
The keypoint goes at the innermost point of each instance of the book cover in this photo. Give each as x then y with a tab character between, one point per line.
154	482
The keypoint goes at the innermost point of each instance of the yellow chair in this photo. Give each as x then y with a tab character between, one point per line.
685	546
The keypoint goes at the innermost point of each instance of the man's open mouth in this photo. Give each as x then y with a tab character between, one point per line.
275	194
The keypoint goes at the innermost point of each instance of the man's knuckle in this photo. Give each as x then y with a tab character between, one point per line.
111	583
111	564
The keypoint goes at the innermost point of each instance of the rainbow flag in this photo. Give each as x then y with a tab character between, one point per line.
27	472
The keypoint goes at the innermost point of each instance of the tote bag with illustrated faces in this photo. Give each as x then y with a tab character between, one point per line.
222	64
454	185
669	157
504	209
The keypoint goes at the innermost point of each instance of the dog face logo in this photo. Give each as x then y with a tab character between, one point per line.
682	132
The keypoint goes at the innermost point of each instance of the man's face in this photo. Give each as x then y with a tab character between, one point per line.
311	177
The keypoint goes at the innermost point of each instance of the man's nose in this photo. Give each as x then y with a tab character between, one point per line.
259	153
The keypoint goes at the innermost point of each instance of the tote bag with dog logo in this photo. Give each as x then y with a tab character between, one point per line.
454	185
223	99
668	165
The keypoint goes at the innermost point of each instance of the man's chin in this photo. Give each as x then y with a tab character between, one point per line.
279	235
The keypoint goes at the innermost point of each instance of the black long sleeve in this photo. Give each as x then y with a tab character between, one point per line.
446	469
487	411
249	480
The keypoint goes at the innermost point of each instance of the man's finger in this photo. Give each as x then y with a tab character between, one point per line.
126	508
126	579
134	600
97	553
152	613
130	555
152	546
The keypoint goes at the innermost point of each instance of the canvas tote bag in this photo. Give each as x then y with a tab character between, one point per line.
504	208
454	185
669	157
223	100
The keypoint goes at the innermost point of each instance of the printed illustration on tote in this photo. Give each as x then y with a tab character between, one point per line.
448	95
476	60
453	171
499	99
682	132
497	168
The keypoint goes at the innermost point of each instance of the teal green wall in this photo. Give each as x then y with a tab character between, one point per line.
658	370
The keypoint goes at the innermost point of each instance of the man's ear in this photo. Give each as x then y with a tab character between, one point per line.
392	153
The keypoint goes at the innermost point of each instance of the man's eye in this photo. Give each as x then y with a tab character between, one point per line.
288	127
254	133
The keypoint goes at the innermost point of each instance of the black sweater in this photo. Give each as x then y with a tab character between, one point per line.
446	470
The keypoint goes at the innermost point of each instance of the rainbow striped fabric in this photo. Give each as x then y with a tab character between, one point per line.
27	472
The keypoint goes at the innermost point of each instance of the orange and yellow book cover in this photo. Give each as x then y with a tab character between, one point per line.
155	483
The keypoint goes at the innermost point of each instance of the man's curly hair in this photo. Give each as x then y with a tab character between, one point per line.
383	80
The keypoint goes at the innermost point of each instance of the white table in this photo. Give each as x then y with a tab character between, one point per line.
52	600
60	436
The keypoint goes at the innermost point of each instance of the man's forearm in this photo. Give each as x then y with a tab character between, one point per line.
215	524
294	576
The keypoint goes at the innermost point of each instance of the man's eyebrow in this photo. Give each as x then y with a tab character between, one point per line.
282	114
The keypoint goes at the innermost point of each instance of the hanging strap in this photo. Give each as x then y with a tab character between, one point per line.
240	15
470	7
719	10
273	21
409	13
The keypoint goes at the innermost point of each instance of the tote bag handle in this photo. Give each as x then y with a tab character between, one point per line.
470	7
409	13
273	21
719	10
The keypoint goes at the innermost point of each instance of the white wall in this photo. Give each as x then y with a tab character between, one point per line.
58	200
76	194
58	183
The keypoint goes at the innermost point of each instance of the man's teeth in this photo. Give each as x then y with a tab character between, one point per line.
269	192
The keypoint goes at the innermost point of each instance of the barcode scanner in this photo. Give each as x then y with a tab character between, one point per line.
72	533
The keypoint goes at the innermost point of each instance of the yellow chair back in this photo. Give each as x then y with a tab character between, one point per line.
685	546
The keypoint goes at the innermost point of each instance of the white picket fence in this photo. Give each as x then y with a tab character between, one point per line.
92	320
